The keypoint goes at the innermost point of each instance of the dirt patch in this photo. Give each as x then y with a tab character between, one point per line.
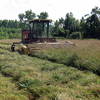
9	41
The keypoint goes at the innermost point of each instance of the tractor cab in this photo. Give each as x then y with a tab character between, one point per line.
38	31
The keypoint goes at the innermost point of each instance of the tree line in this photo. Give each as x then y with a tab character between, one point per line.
10	29
87	27
69	27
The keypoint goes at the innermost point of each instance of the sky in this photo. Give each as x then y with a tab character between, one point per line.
9	9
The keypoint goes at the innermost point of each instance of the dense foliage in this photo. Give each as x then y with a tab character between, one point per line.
10	29
68	27
10	33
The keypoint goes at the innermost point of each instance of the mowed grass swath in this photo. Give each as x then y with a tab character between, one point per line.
85	55
52	78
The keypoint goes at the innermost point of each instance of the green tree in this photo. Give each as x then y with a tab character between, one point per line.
21	17
25	17
29	15
43	15
93	24
4	23
71	23
83	27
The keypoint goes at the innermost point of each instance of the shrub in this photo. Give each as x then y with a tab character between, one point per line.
28	83
76	35
71	60
9	33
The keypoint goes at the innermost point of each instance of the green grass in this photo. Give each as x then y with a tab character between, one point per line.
84	56
31	78
9	91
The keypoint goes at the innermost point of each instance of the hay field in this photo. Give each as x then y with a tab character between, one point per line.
51	74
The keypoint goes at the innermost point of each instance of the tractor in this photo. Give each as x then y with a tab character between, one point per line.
36	37
37	33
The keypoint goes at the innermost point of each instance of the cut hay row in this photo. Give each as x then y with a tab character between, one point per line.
84	56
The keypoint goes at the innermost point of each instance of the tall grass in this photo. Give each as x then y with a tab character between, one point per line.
84	56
